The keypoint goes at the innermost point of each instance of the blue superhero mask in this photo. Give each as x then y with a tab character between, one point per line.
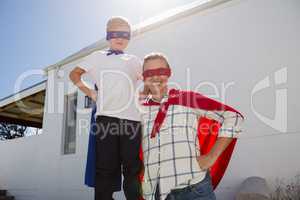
117	34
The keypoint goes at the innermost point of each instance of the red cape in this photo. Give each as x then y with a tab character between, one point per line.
207	129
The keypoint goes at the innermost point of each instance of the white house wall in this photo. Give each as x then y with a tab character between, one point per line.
33	168
242	41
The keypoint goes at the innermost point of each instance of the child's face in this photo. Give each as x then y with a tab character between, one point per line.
119	43
158	83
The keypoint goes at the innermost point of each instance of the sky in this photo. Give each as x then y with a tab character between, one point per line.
37	33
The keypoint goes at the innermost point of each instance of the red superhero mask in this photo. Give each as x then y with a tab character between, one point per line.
157	72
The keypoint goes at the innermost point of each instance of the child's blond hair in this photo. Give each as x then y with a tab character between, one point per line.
117	22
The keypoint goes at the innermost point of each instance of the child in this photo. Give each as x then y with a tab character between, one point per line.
184	135
117	128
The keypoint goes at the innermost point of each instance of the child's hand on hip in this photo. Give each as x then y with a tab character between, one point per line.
93	95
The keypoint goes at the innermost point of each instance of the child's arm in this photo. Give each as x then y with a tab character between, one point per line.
75	76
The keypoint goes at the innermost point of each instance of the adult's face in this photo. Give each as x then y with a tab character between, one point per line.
155	85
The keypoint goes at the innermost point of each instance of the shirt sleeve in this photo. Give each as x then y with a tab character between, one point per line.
88	63
230	121
137	64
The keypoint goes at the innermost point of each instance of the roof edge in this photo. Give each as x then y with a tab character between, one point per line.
149	24
23	93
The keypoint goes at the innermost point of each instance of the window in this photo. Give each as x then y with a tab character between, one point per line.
69	130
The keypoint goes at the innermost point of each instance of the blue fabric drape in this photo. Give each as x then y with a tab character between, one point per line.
90	170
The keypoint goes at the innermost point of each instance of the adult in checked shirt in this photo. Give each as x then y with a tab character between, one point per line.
187	140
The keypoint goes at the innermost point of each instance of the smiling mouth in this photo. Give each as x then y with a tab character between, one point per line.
157	83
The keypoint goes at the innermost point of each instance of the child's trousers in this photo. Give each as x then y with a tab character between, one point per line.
117	144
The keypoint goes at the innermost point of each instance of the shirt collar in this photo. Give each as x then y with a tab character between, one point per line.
163	100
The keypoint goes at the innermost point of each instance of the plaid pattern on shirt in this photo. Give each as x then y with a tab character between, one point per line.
170	157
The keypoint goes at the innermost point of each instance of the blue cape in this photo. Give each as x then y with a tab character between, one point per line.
90	169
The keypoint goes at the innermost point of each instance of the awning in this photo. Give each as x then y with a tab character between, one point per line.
25	107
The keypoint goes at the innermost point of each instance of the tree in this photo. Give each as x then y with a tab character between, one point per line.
11	131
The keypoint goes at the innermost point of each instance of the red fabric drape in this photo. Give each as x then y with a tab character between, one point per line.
207	129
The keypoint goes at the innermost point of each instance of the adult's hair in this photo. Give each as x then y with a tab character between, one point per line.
154	56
